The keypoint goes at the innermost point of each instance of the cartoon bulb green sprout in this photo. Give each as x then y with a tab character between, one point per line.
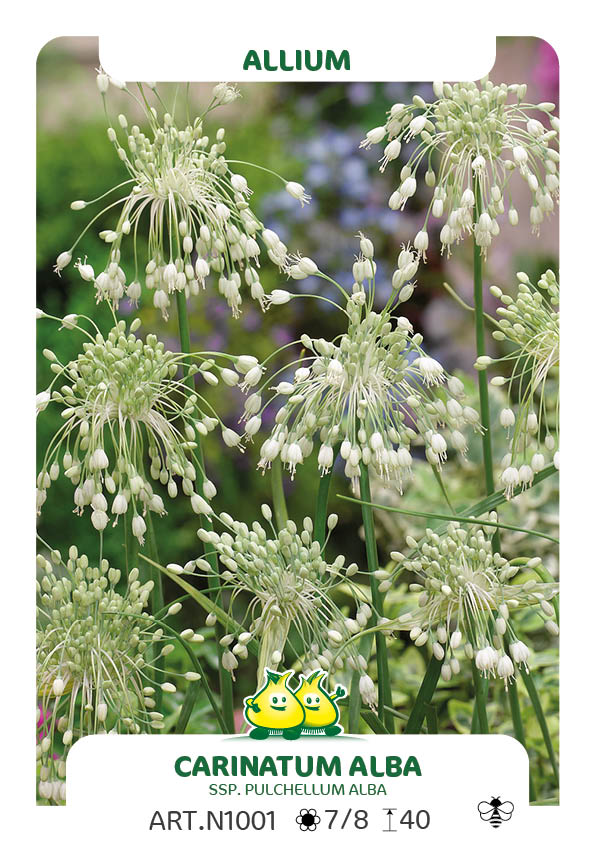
276	709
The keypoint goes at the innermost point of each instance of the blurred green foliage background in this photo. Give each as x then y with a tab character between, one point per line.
308	133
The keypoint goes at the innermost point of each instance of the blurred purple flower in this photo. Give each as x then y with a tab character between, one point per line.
281	335
360	93
546	74
317	175
252	319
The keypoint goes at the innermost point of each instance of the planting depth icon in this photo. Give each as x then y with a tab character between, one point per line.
277	710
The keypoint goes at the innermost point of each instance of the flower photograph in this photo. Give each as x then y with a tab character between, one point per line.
297	404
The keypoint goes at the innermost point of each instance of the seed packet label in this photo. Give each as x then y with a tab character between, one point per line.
359	787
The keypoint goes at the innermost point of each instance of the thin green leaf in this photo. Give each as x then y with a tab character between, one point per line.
188	707
384	689
498	498
535	701
480	721
197	668
424	697
432	719
374	722
206	603
519	731
322	505
278	495
456	516
355	701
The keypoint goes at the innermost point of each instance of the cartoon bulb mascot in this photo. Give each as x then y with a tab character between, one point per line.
274	709
322	713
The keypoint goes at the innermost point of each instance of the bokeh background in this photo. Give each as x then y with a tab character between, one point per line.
308	132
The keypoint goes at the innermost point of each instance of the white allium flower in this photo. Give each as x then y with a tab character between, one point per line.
102	81
530	322
505	668
298	192
97	649
289	585
42	401
62	261
476	136
467	596
225	93
373	137
520	652
122	403
197	210
367	691
370	393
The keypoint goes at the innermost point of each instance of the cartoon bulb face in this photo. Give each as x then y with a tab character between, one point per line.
274	706
321	711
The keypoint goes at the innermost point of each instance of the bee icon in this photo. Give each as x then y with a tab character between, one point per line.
495	811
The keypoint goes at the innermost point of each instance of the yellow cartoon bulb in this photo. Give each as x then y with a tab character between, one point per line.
322	713
274	708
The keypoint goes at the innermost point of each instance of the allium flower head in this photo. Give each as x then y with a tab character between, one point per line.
473	139
371	392
122	404
96	653
531	324
467	596
289	585
193	209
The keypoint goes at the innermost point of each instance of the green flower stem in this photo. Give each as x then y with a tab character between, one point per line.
320	514
484	405
130	544
320	517
225	679
480	347
398	714
428	685
273	639
156	600
481	692
442	487
384	692
517	718
424	697
486	441
466	306
519	731
279	504
355	699
474	721
534	696
355	705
